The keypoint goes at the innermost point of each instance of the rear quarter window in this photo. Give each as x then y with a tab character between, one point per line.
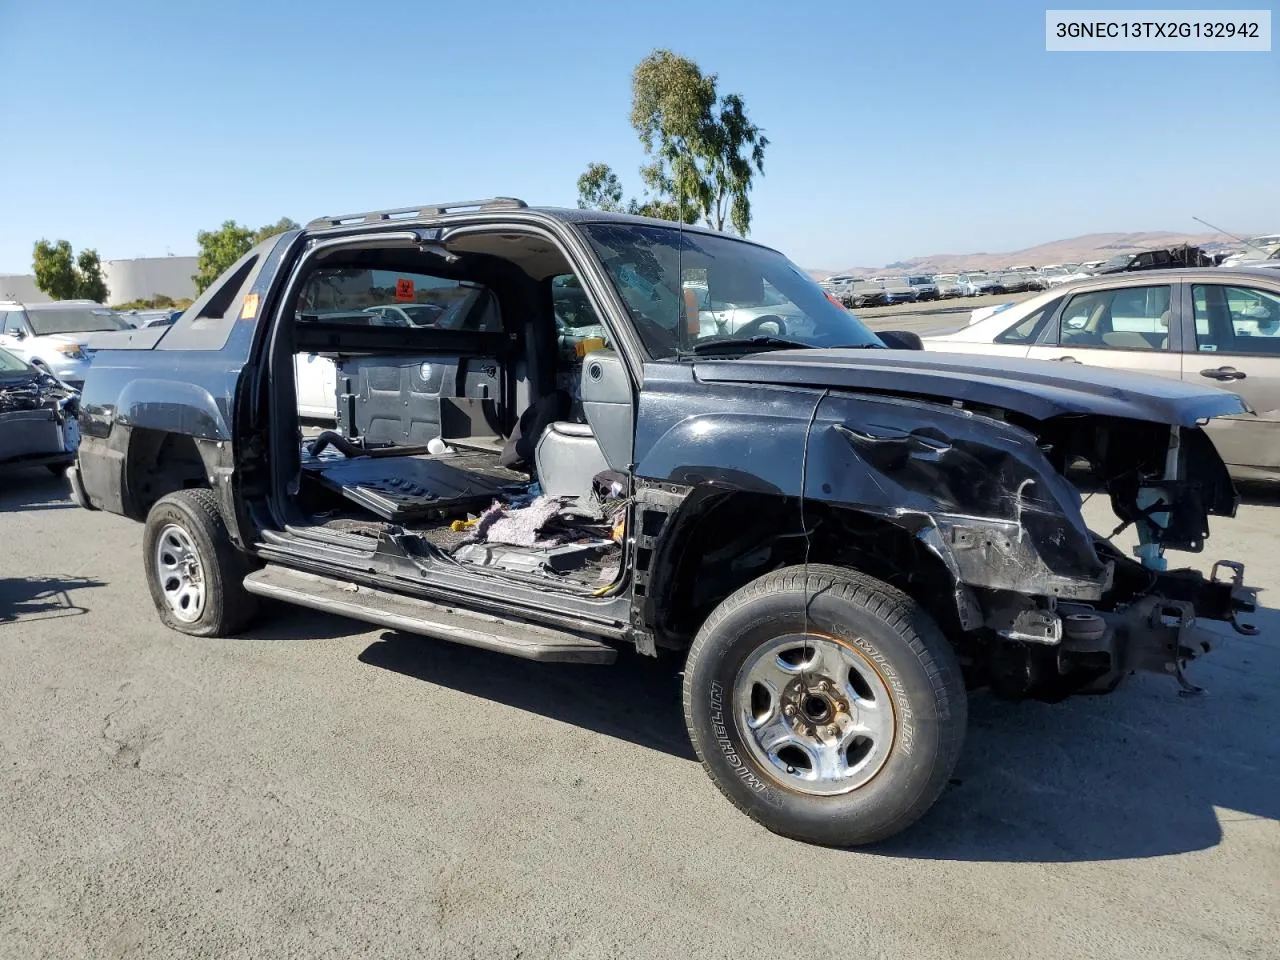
1028	329
207	323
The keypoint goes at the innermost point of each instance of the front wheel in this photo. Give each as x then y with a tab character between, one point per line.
839	727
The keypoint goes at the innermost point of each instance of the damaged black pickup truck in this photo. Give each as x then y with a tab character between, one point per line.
543	446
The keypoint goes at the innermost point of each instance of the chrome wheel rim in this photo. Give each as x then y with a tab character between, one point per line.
815	714
180	574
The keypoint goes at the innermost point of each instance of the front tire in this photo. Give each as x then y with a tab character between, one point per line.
194	571
840	728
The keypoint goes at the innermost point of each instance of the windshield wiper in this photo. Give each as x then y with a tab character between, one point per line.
744	344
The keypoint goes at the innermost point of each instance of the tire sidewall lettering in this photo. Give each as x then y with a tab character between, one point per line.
906	721
720	729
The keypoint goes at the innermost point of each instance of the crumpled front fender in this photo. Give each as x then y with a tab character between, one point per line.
976	491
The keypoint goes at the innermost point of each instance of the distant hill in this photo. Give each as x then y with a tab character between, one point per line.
1091	246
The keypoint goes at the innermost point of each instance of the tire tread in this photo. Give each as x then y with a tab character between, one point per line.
902	614
237	607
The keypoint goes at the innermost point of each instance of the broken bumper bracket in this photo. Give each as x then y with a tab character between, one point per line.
1244	600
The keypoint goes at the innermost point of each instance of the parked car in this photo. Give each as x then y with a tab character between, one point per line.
1215	324
923	287
836	537
896	289
1057	274
1184	255
407	314
1256	249
1016	281
977	284
948	285
316	379
865	293
55	336
769	312
152	318
38	425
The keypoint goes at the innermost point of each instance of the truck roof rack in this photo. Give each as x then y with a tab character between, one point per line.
417	213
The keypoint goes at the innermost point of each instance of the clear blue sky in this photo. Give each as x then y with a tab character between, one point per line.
898	128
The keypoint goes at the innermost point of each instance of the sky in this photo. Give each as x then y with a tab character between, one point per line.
897	129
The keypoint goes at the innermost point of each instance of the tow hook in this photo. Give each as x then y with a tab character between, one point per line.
1243	599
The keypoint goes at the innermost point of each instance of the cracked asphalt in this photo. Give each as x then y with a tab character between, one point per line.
318	789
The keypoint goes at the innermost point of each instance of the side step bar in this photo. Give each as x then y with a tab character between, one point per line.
387	609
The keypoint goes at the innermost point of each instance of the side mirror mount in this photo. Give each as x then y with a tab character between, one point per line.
19	334
900	339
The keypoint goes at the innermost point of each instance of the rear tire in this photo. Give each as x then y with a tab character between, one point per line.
194	571
772	698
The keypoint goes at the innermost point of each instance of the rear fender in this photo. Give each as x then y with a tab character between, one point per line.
172	406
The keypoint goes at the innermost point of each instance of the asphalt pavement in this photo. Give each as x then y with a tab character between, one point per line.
319	789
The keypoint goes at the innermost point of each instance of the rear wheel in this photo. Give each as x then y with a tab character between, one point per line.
194	571
840	727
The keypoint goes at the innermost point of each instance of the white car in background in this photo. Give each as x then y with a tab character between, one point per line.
1257	250
981	313
976	283
1195	324
315	379
948	284
55	336
1055	274
717	318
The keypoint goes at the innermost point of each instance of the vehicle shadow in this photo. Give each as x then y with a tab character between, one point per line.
1257	493
41	598
638	699
284	622
33	488
1141	773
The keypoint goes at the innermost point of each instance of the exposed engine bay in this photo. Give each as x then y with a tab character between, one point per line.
1070	612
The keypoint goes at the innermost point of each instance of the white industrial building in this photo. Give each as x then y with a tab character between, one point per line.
138	279
144	277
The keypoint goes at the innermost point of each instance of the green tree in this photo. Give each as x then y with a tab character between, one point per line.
63	276
90	284
220	248
704	149
599	188
55	268
283	225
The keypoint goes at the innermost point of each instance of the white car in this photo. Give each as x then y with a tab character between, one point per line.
976	284
948	285
1257	250
1191	324
718	318
981	313
316	382
55	336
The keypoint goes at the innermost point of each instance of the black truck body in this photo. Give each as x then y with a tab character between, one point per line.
946	482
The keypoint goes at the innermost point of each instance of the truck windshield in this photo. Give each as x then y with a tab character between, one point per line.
67	320
661	274
11	364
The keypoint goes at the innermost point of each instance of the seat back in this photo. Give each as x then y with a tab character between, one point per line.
607	403
567	458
